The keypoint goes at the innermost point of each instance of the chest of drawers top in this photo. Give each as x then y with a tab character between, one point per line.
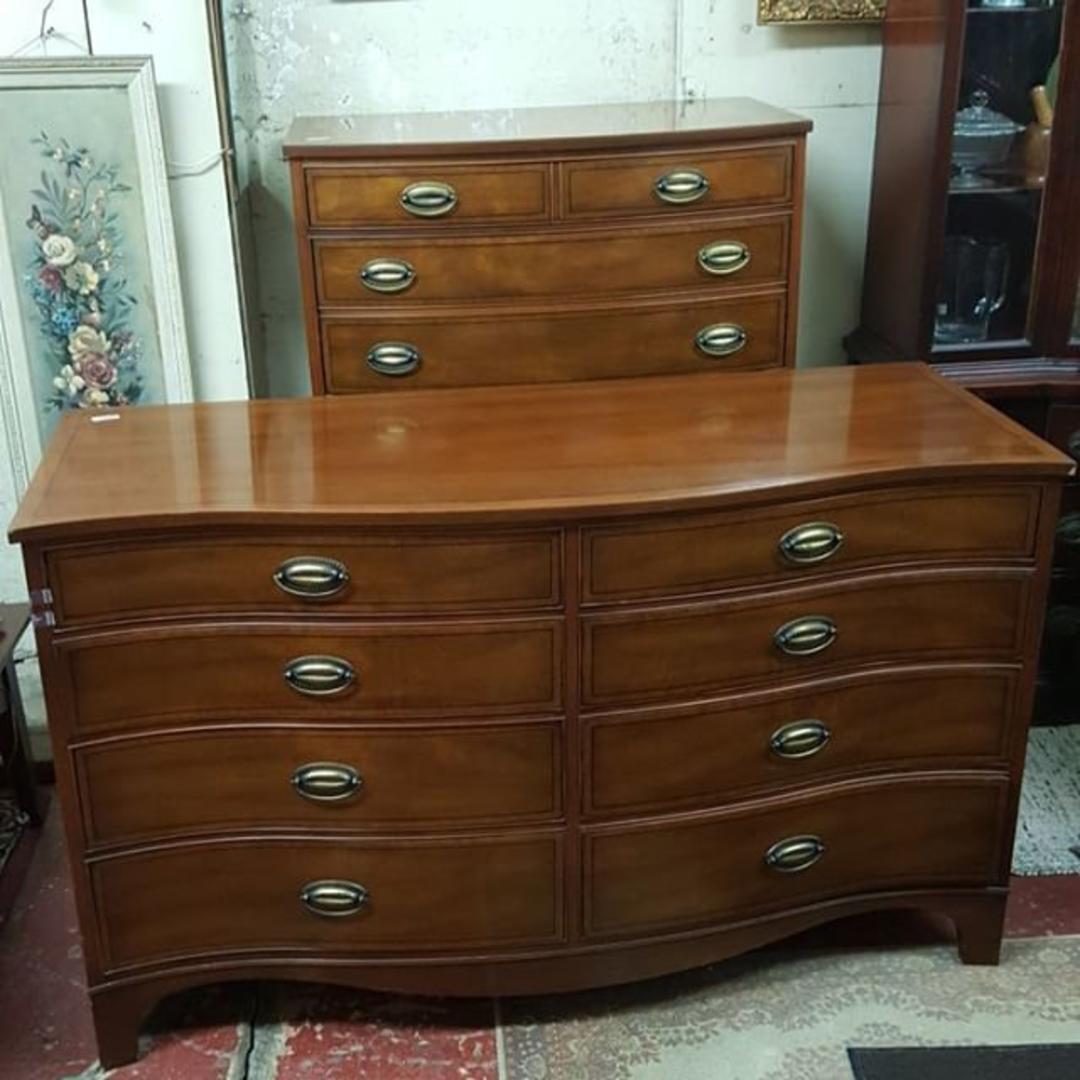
554	453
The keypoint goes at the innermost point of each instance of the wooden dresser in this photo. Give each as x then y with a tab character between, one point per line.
547	245
519	689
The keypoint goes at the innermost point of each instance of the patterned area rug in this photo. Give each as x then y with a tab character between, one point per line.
11	825
1050	804
775	1016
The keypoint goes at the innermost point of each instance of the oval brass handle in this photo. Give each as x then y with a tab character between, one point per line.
794	854
333	899
722	339
801	739
429	198
312	577
319	676
1068	530
724	257
806	636
813	542
387	275
682	186
326	781
394	358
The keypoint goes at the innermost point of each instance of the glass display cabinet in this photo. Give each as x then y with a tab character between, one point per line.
973	253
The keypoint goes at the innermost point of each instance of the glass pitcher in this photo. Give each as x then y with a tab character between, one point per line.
974	279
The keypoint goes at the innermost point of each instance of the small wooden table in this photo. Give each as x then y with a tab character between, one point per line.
16	760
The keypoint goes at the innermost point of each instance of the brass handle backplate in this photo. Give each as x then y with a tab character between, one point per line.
794	854
326	781
387	275
811	543
319	676
806	636
801	739
394	358
682	186
722	339
312	577
724	257
429	199
334	899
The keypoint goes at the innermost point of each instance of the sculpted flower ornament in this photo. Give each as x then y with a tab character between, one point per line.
77	280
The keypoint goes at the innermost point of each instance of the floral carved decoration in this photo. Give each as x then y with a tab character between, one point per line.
77	280
811	11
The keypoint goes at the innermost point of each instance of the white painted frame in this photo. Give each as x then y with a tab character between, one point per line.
135	76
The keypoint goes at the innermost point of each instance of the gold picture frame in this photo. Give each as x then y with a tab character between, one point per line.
797	12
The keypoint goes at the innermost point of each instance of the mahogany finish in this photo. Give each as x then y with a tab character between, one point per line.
547	245
561	747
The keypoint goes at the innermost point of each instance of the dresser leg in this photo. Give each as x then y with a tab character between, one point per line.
117	1018
980	926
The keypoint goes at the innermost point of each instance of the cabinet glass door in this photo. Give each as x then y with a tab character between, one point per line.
1001	140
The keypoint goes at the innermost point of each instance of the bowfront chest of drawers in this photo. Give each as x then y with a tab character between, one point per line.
521	689
547	245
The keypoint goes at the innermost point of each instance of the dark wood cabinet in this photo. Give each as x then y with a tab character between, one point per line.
973	256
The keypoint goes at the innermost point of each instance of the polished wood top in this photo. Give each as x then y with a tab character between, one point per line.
507	453
546	129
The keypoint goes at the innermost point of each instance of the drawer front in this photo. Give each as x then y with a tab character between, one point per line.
682	652
318	778
529	266
246	897
638	184
683	555
552	348
238	671
933	831
681	759
382	573
427	194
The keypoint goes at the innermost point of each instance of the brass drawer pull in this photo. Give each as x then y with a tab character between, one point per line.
429	199
801	739
394	358
311	577
319	676
811	543
806	636
722	339
326	781
794	854
387	275
682	186
334	899
724	257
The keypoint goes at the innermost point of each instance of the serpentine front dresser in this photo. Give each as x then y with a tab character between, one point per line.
545	245
517	689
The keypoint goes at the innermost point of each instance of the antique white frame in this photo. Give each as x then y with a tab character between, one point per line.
135	76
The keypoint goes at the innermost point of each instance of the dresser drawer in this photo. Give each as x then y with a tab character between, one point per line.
317	777
699	553
245	896
932	831
407	353
238	671
683	652
425	194
550	264
361	572
680	183
709	754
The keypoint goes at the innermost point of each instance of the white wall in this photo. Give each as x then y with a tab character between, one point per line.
327	56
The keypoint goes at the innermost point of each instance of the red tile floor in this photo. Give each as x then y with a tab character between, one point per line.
315	1033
